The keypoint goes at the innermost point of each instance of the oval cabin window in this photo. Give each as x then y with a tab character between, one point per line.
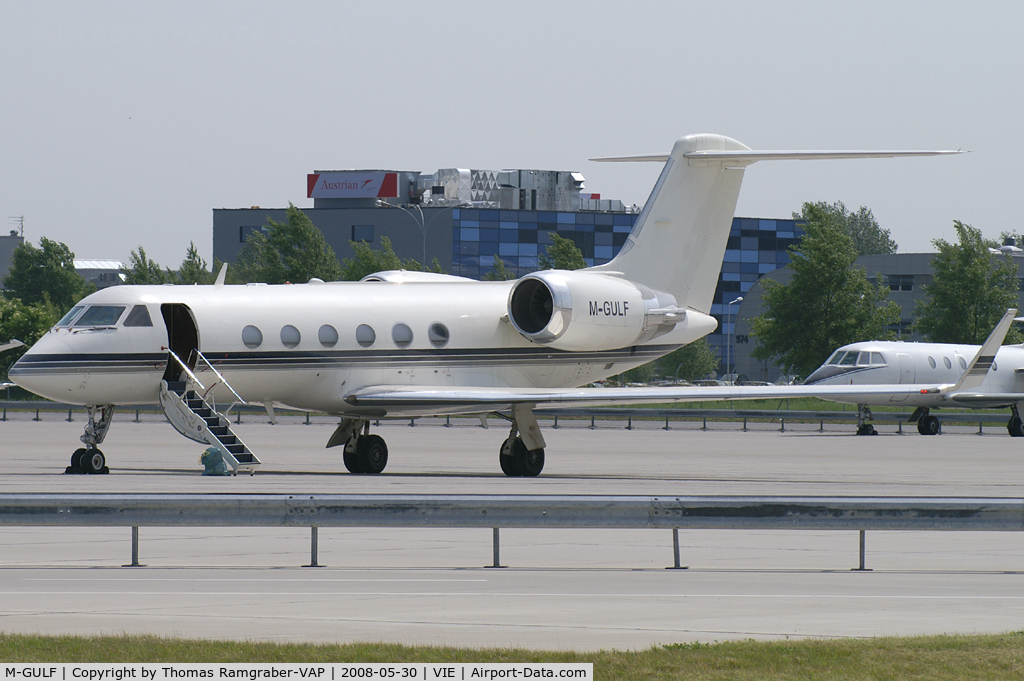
328	336
402	335
290	336
365	335
252	337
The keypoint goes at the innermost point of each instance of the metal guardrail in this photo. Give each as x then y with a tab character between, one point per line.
501	511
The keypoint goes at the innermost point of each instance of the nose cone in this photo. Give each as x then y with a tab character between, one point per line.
44	370
824	372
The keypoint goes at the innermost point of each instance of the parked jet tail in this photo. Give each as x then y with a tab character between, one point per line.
678	242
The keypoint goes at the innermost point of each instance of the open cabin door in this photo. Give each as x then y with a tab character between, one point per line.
182	338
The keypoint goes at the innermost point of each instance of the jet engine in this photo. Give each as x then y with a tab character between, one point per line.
580	311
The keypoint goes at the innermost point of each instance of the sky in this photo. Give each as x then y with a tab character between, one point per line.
124	124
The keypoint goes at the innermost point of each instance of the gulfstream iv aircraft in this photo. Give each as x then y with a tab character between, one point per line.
995	380
402	344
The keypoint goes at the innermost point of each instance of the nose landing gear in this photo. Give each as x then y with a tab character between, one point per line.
90	459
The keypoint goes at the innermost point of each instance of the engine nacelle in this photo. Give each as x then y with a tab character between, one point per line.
571	310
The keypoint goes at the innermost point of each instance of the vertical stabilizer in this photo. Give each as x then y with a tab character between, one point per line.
678	242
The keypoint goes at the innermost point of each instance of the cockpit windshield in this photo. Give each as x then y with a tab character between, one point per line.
70	316
100	315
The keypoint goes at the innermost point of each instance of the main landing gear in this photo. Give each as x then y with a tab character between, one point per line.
364	453
927	424
1014	426
522	453
90	459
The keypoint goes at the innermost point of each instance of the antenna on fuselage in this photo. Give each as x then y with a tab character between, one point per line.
221	276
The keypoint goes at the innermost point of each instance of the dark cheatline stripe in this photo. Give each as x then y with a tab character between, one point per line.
983	364
256	361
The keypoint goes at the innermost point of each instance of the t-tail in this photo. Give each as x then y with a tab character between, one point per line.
678	242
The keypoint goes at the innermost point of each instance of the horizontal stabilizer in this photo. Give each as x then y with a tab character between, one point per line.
746	157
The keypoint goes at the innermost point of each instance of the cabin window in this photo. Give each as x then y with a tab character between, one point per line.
402	335
139	316
876	358
290	336
70	316
849	360
931	362
365	335
945	360
438	335
328	336
963	362
101	315
252	337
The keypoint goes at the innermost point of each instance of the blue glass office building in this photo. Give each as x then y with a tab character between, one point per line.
755	248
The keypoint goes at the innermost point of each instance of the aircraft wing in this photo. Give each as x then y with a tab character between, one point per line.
398	397
14	343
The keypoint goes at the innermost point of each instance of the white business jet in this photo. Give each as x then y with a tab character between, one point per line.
406	344
996	380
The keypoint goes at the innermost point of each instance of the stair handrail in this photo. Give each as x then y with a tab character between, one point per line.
222	379
184	367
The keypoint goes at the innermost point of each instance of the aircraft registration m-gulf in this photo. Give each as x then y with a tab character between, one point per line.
405	344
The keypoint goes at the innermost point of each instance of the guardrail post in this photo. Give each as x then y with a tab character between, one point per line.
675	552
979	428
239	417
448	421
307	418
412	423
629	424
496	546
313	546
69	419
135	548
783	422
744	424
591	421
821	426
705	426
556	422
37	416
900	431
862	543
666	424
136	416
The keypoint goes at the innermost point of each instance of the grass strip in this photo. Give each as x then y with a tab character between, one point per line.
925	657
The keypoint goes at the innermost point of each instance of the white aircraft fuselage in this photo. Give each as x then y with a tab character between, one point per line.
307	346
874	363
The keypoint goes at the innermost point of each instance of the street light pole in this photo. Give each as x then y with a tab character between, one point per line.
728	340
420	222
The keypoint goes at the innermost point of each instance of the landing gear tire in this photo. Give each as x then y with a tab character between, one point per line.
76	460
93	462
928	425
372	452
867	429
1015	426
518	461
506	460
351	459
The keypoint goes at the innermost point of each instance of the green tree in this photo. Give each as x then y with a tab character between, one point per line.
868	237
142	271
970	290
500	271
47	273
562	254
25	322
690	363
293	251
193	268
828	303
368	260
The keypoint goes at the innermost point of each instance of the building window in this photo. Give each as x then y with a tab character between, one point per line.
901	282
362	233
246	230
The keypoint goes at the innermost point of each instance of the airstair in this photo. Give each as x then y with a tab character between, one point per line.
194	414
